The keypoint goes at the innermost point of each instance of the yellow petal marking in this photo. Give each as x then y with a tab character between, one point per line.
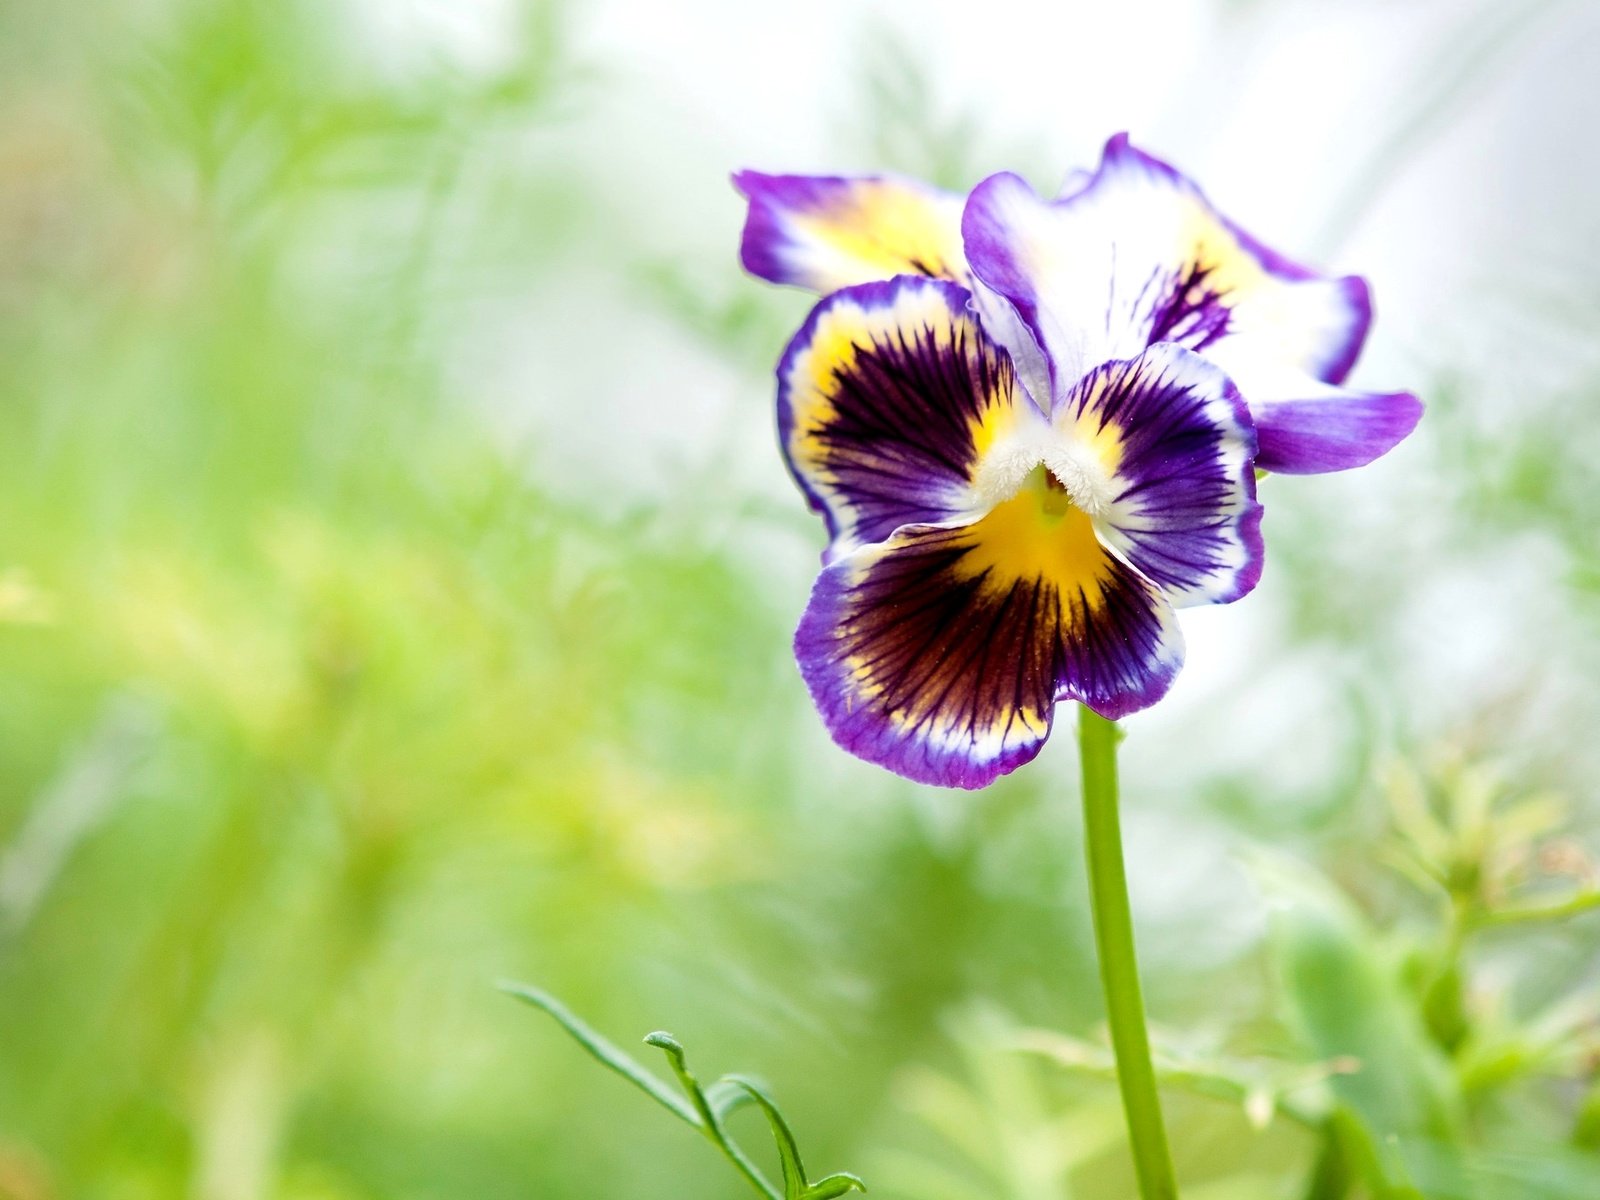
884	229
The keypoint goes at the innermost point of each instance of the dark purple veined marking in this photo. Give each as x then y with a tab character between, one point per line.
917	663
1186	504
897	446
1191	312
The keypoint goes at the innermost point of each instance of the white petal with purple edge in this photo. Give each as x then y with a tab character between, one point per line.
1137	256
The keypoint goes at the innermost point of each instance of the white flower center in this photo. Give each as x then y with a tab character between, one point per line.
1010	466
1083	475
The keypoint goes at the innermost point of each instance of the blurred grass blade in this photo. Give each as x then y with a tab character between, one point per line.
76	803
1261	1090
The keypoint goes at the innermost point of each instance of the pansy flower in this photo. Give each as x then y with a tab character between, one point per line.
1019	491
989	557
1131	254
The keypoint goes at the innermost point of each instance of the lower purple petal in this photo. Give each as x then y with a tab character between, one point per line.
940	653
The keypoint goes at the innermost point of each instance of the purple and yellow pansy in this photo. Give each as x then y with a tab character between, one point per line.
1032	429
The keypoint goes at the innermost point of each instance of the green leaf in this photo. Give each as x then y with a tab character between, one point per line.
706	1108
710	1119
834	1185
795	1184
1385	1176
605	1052
794	1173
1350	1004
669	1045
725	1097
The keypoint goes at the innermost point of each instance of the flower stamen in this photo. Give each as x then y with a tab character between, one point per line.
1006	469
1050	464
1081	475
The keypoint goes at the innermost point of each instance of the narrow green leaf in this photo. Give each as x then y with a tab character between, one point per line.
705	1107
679	1062
795	1184
834	1185
605	1052
794	1173
709	1122
725	1097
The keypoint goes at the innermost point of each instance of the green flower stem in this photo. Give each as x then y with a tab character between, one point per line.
1119	966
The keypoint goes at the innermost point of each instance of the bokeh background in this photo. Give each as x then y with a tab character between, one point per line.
397	572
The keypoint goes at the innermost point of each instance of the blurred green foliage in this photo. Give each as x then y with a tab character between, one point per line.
325	702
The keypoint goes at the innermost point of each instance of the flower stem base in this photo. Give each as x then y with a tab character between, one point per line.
1119	967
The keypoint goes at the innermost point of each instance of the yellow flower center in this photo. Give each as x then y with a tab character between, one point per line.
1038	534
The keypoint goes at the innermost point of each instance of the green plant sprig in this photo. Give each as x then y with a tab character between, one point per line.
705	1109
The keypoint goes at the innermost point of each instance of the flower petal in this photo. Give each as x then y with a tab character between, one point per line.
1003	325
1138	255
941	652
1326	428
1166	446
888	399
828	232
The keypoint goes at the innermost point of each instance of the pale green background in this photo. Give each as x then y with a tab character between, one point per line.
397	572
